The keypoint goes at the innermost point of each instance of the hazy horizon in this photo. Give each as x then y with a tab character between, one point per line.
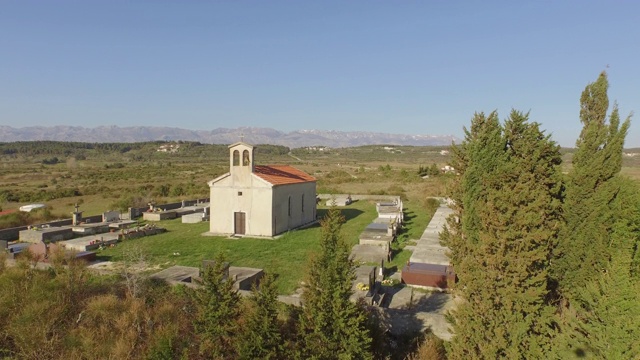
385	67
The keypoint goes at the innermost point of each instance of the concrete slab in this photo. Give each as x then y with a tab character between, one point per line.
430	256
428	249
90	228
340	201
50	234
92	242
192	218
158	216
377	227
177	274
243	277
123	224
369	253
412	310
376	236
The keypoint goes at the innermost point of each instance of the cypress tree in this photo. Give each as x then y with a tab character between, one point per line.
217	312
595	263
331	326
260	338
611	325
474	159
583	250
514	219
603	319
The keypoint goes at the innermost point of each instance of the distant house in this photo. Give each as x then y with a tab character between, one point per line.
171	148
260	200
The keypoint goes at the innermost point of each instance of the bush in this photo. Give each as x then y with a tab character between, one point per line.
432	348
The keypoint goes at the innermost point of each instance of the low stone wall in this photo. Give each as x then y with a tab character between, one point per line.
137	212
360	197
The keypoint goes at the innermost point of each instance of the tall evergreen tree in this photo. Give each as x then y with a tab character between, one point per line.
611	323
583	251
602	321
260	337
217	312
475	159
595	263
331	325
515	218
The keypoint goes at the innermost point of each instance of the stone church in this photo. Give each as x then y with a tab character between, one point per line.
259	200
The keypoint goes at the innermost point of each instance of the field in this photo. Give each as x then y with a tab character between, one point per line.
100	179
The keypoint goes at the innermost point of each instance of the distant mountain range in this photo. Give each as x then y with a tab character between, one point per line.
252	135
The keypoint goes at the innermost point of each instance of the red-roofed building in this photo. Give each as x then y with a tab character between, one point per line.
260	200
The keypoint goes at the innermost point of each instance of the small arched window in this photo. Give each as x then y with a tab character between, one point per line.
236	158
245	158
289	205
302	202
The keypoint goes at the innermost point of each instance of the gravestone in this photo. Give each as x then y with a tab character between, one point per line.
76	216
110	216
372	279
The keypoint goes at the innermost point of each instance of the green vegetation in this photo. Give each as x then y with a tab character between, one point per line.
331	325
285	256
547	264
69	313
507	288
217	312
596	261
416	218
261	333
19	218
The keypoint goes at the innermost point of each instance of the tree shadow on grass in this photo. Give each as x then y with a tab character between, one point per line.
408	216
100	258
347	213
351	213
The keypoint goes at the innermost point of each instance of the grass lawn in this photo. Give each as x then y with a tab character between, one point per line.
286	257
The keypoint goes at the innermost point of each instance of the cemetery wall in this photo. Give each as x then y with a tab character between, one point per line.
14	233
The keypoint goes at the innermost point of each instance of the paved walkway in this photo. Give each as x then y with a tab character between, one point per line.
428	249
414	310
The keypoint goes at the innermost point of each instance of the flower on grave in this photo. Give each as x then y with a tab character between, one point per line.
389	282
362	287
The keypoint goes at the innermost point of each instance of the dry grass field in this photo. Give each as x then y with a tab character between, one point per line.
121	175
105	180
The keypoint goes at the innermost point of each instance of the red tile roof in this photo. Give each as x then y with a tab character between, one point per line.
282	174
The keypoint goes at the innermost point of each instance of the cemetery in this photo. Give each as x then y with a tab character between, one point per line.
373	224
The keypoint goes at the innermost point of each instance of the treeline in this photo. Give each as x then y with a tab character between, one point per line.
66	148
28	195
67	312
548	264
81	149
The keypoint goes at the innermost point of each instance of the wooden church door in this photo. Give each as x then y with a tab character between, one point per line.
239	223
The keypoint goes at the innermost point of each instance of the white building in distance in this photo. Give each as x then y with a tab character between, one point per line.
257	200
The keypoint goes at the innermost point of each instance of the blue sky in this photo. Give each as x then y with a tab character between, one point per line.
384	66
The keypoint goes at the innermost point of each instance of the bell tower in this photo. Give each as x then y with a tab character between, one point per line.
241	160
